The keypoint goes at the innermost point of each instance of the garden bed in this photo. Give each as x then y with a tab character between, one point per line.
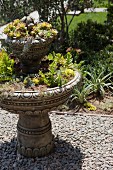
103	107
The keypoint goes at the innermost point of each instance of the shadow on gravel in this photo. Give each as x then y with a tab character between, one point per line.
69	157
65	157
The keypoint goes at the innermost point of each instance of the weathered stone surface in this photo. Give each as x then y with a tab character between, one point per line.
34	126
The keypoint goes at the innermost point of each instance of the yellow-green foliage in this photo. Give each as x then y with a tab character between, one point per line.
90	106
18	29
60	71
6	66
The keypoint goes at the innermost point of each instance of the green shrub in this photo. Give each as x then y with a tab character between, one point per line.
60	70
6	66
89	36
100	3
99	60
109	24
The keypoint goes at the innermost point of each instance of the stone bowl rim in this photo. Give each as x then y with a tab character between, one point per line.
29	99
23	41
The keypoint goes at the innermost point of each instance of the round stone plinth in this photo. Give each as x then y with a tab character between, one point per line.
34	135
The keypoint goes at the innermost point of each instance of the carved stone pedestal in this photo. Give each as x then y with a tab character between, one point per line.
34	127
34	135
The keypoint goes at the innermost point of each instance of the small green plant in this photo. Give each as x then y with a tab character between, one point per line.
79	96
61	69
90	106
6	66
98	81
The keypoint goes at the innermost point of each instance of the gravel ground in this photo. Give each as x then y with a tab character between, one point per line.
83	142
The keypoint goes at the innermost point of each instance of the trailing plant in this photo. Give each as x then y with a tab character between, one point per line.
6	66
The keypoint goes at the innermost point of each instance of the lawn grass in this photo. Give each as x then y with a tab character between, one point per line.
100	17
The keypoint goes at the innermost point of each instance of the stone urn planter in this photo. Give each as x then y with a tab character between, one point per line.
34	130
30	41
31	49
30	52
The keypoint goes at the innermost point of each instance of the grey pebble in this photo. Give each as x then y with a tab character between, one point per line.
83	142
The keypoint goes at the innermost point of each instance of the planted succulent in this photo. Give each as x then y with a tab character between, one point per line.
30	41
24	29
58	71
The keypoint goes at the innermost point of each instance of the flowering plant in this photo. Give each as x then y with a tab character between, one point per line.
19	29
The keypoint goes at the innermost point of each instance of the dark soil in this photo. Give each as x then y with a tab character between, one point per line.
103	106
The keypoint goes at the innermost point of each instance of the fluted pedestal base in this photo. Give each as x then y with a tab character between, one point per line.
34	135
